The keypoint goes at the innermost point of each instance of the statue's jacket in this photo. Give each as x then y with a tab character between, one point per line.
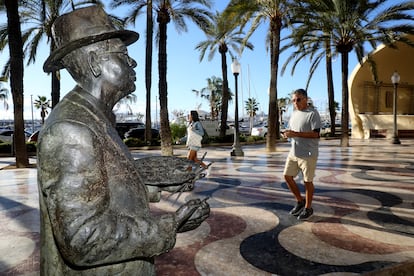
95	217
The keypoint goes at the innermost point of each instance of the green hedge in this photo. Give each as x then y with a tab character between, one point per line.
252	139
135	142
6	147
178	131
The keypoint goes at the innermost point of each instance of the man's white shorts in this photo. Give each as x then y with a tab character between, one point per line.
296	164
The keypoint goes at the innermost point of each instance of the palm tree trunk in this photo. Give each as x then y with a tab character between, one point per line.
331	93
43	115
148	71
55	95
345	97
165	131
273	126
212	105
16	80
225	97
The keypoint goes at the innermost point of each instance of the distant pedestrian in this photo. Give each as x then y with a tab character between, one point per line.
195	132
303	131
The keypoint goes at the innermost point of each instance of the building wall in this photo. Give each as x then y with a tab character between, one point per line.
371	103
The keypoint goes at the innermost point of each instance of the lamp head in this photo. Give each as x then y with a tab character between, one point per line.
395	78
235	67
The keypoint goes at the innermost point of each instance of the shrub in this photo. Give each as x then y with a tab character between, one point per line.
31	146
242	138
5	148
225	139
134	142
252	139
177	131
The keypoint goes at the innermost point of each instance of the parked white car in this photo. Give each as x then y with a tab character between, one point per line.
259	130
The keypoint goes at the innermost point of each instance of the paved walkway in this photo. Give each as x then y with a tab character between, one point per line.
363	220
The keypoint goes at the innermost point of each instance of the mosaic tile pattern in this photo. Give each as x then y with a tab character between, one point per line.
363	220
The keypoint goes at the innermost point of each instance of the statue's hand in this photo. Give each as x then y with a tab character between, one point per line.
190	215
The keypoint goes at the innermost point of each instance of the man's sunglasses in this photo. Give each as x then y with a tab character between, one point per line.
296	100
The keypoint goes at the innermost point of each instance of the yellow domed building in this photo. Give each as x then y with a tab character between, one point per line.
371	103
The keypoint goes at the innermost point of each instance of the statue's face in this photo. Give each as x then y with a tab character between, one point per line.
118	74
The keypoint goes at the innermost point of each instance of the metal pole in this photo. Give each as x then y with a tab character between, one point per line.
156	112
31	101
395	138
237	151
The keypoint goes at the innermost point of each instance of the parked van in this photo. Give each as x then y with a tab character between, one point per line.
213	128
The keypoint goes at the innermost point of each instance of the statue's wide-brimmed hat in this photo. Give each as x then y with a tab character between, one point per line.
80	28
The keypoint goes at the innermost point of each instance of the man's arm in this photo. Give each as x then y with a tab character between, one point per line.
308	134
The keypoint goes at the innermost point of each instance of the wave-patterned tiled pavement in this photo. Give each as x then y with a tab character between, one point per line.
363	220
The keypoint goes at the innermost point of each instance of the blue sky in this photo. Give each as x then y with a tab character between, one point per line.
185	72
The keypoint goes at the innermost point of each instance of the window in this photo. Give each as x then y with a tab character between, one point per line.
388	99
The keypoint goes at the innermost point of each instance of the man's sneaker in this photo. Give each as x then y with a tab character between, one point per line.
305	214
298	208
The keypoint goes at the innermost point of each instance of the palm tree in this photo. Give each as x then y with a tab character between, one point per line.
257	12
43	104
309	44
251	108
176	11
148	70
222	37
283	105
353	25
39	16
135	11
214	94
16	80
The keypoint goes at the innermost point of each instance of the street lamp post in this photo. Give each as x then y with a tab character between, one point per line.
31	104
237	150
395	79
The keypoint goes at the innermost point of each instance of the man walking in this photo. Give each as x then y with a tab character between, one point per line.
304	128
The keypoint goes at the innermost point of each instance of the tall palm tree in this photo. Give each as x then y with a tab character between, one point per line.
251	108
38	16
148	70
136	7
352	25
309	44
221	38
283	105
214	94
16	79
276	13
44	105
176	11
